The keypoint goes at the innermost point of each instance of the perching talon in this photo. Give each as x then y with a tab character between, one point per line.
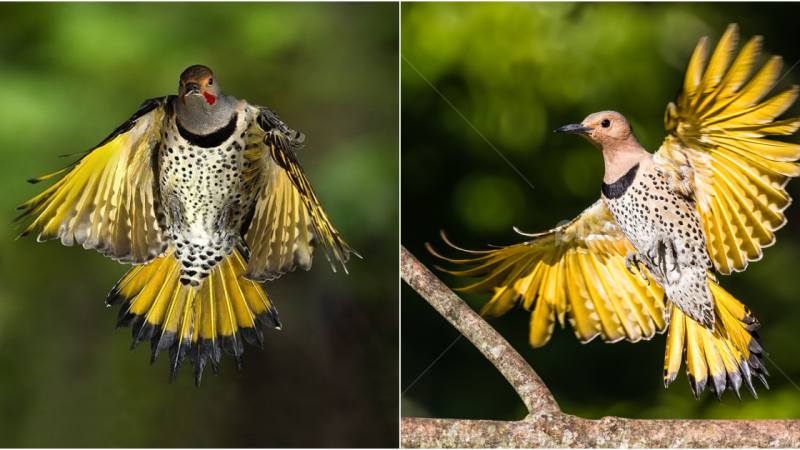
633	259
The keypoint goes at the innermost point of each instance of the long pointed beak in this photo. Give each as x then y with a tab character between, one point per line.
575	128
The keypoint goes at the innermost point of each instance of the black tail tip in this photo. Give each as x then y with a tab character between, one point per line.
198	374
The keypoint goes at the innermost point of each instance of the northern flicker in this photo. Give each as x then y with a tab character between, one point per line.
203	194
644	255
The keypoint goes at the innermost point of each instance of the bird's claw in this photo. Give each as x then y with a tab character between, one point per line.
224	219
670	256
176	208
633	260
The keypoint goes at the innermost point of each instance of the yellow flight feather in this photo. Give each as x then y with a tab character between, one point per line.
575	273
105	200
288	221
716	152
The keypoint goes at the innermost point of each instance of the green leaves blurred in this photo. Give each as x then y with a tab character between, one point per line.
69	74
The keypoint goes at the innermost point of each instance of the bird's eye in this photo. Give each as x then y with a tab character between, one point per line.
605	123
210	81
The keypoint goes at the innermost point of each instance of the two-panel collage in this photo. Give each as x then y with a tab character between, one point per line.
399	225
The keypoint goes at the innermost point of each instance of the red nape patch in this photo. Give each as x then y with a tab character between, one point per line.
183	100
209	98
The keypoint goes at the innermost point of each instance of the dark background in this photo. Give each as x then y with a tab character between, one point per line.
517	72
69	74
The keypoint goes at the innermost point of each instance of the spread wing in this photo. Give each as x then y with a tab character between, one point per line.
716	149
576	270
108	199
288	220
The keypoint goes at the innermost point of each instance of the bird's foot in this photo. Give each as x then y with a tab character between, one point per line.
224	221
633	260
663	251
176	208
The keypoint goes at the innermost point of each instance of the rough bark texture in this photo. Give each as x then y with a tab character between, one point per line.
528	385
565	431
546	426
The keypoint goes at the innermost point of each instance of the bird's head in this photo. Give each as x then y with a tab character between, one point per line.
199	86
607	130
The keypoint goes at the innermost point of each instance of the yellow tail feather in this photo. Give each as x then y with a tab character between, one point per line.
722	358
221	314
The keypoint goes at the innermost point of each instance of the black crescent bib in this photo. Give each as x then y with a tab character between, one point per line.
213	139
617	188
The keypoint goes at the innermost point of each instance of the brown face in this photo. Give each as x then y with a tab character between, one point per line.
199	80
608	125
602	129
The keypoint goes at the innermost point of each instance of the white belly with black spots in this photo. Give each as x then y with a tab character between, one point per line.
667	233
205	197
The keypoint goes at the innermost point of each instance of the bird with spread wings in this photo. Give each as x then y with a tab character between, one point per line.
641	260
204	195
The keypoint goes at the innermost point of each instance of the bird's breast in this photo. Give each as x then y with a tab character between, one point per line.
649	210
207	183
206	194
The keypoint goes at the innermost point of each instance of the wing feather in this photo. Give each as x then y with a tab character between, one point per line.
107	199
716	151
574	273
288	220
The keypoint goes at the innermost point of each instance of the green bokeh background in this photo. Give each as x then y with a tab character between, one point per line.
69	74
517	72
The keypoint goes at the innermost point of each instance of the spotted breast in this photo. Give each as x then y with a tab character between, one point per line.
667	233
206	192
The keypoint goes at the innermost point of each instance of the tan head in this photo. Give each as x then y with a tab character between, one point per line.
610	132
605	129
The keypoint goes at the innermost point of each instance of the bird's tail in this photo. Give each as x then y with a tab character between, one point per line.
728	355
220	314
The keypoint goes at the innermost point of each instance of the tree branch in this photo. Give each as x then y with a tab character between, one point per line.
546	426
517	371
565	430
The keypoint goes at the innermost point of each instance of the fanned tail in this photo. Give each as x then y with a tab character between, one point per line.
219	315
723	358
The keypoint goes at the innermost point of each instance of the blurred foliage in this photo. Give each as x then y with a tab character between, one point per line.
517	71
69	74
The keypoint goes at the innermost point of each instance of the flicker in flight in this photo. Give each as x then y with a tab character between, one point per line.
643	258
203	194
